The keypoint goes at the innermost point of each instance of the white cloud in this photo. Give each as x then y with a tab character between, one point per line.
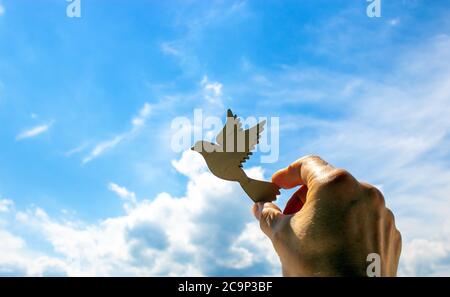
192	166
169	49
16	259
252	246
35	131
212	91
2	10
5	205
164	236
426	257
143	115
102	147
12	254
76	150
394	22
122	192
128	197
137	122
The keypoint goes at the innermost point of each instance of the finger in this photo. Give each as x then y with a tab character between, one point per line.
257	209
296	202
304	171
259	206
268	215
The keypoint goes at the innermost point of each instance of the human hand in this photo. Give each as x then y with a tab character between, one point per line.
330	224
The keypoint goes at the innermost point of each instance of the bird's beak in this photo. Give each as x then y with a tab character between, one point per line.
192	149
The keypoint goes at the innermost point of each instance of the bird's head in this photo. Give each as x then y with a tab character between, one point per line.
203	147
199	146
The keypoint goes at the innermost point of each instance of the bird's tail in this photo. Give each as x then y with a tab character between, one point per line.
260	191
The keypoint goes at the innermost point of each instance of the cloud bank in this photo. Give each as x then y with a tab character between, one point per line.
208	231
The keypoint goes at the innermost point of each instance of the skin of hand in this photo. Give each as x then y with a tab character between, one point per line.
340	222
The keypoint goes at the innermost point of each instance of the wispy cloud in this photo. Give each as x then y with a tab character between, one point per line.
127	196
76	150
394	22
2	9
122	192
169	49
34	131
212	91
142	117
137	122
102	147
195	31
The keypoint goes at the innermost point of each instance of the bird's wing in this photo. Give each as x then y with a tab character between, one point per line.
237	158
253	135
233	123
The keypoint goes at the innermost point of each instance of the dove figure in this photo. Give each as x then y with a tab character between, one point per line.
226	157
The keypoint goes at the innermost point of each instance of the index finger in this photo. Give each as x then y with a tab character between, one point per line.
305	171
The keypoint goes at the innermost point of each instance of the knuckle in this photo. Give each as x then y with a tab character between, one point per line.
390	215
397	241
292	168
374	195
312	158
339	177
399	237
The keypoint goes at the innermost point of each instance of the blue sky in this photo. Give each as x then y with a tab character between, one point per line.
86	107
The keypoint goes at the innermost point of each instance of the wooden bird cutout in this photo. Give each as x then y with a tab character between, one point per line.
233	148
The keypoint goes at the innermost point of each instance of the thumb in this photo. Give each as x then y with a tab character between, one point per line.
269	216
